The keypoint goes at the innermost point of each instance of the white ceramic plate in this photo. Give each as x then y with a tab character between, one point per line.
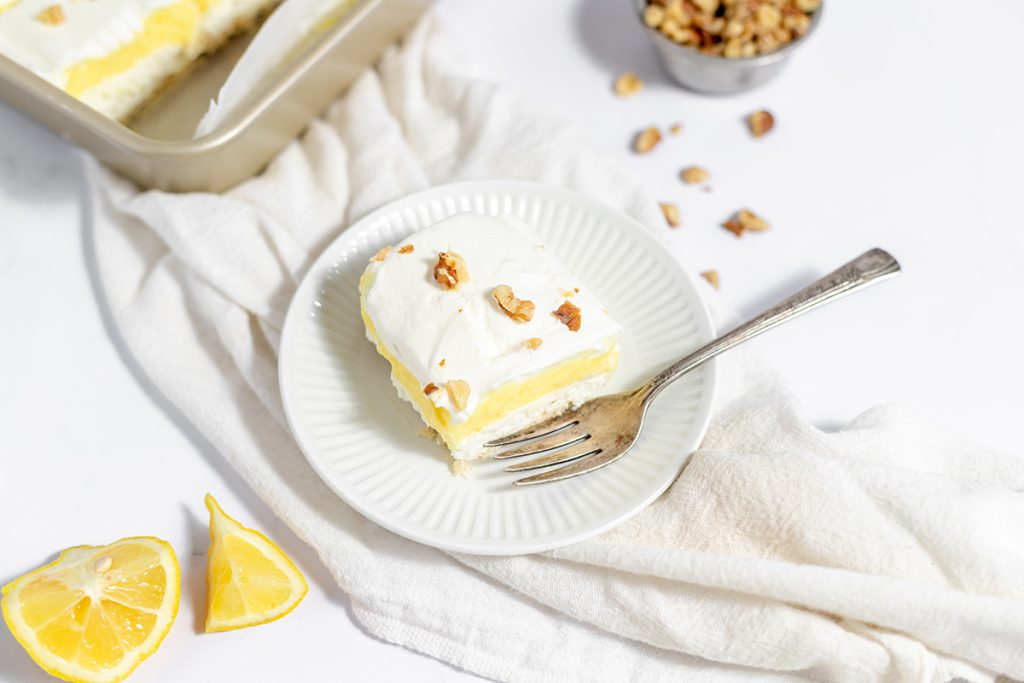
362	439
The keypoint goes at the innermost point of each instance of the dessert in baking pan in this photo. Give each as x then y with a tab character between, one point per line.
485	330
115	55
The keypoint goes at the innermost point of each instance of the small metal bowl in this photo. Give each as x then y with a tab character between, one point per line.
719	75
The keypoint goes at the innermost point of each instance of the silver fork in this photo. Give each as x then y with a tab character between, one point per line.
602	430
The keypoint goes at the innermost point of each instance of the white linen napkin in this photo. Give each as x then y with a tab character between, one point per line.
889	550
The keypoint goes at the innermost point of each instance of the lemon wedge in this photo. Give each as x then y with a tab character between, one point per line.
250	580
93	614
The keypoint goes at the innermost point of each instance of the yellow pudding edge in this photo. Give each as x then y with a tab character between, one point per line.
504	399
174	24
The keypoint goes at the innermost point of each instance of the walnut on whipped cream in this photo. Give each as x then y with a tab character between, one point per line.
533	343
520	310
52	15
458	393
569	315
450	270
407	249
430	388
380	255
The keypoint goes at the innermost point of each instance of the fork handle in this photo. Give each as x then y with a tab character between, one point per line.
868	268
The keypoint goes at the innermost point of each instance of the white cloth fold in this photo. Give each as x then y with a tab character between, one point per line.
889	550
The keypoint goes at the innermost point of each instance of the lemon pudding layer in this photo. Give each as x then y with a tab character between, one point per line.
485	330
114	55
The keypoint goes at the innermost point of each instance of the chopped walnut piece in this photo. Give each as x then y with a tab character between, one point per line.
675	128
407	249
750	221
807	5
458	392
628	83
743	221
654	15
646	140
533	342
52	15
566	293
712	277
760	122
733	227
450	270
671	213
443	361
693	175
569	315
380	255
518	309
430	388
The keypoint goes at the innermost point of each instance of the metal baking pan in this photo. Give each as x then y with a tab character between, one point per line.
156	151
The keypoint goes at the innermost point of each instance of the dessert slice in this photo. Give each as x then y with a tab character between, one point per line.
115	55
485	330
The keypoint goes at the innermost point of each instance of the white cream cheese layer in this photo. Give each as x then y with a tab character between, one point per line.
442	335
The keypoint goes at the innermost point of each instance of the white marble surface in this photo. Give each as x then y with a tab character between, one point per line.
899	125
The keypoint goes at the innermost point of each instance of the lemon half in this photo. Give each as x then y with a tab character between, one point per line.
93	614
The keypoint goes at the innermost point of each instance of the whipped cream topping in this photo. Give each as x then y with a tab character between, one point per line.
423	324
92	28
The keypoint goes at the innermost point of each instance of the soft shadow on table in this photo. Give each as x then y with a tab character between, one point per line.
612	36
772	295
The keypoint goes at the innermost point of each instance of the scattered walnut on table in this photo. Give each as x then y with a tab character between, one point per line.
671	213
693	175
745	220
646	140
760	122
450	270
675	128
519	310
712	277
751	221
569	315
628	83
